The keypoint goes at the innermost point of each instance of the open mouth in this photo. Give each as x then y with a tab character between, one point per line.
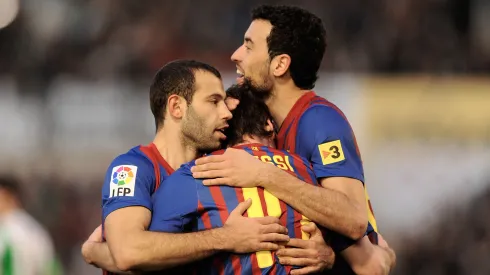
221	132
240	77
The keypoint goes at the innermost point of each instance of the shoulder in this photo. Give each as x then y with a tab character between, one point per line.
134	159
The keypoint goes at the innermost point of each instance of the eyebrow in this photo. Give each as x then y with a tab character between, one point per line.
248	40
216	96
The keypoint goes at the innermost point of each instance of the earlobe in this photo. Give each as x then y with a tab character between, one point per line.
175	107
281	64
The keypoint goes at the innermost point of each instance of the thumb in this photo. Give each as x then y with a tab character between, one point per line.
309	227
241	207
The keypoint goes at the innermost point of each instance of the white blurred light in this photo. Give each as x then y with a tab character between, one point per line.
8	11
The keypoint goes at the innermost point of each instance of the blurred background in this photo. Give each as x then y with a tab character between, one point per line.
413	77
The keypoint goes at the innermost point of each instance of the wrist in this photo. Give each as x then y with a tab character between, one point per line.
220	241
265	174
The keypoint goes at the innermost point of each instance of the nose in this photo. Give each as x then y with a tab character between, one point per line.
225	113
235	57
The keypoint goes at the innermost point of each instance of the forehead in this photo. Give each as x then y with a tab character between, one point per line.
207	84
258	31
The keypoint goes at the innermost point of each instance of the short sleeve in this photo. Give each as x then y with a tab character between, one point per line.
325	137
129	181
175	203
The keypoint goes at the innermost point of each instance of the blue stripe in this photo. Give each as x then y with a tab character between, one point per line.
280	269
294	163
228	265
230	197
246	264
207	201
290	221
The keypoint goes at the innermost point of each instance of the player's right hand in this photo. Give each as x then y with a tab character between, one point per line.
247	235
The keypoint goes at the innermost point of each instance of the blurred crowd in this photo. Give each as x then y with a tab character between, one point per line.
111	38
115	40
458	245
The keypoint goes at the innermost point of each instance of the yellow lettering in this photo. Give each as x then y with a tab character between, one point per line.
279	161
288	164
266	159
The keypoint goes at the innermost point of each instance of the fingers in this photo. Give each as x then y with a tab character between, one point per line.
264	246
241	208
309	227
208	167
299	243
209	159
217	181
231	103
274	228
305	270
297	253
298	261
268	220
275	237
210	174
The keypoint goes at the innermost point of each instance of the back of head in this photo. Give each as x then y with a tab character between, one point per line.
249	118
176	77
299	34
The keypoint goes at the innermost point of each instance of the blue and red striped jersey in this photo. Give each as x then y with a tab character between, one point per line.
318	130
184	204
132	178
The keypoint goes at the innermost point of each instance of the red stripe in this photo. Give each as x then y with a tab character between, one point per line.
240	198
262	201
161	160
284	215
219	265
254	264
220	202
204	216
236	264
154	160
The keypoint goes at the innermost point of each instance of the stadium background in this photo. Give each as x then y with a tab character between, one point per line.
412	76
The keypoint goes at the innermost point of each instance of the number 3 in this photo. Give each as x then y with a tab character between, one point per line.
335	150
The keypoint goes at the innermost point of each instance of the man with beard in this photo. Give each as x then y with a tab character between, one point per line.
280	56
184	204
188	102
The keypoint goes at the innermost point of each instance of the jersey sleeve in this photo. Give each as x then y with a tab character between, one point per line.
129	181
326	138
175	203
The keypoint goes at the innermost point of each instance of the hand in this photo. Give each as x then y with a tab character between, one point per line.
96	236
314	255
245	235
234	167
231	103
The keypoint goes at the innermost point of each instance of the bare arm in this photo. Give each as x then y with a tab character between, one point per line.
367	259
134	248
99	255
339	206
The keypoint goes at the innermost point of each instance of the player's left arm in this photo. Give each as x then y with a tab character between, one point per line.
326	138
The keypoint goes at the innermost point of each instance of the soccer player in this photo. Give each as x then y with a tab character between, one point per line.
184	204
25	246
281	55
187	101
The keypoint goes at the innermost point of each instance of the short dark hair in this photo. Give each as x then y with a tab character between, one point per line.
299	34
250	116
11	185
176	77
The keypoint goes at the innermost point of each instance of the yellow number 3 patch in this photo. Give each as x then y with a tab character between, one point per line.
331	152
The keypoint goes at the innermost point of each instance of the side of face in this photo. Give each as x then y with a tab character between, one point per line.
207	115
252	57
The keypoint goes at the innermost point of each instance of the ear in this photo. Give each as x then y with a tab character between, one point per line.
269	127
280	65
176	106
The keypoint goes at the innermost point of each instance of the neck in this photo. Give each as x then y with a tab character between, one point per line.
173	150
249	139
282	101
